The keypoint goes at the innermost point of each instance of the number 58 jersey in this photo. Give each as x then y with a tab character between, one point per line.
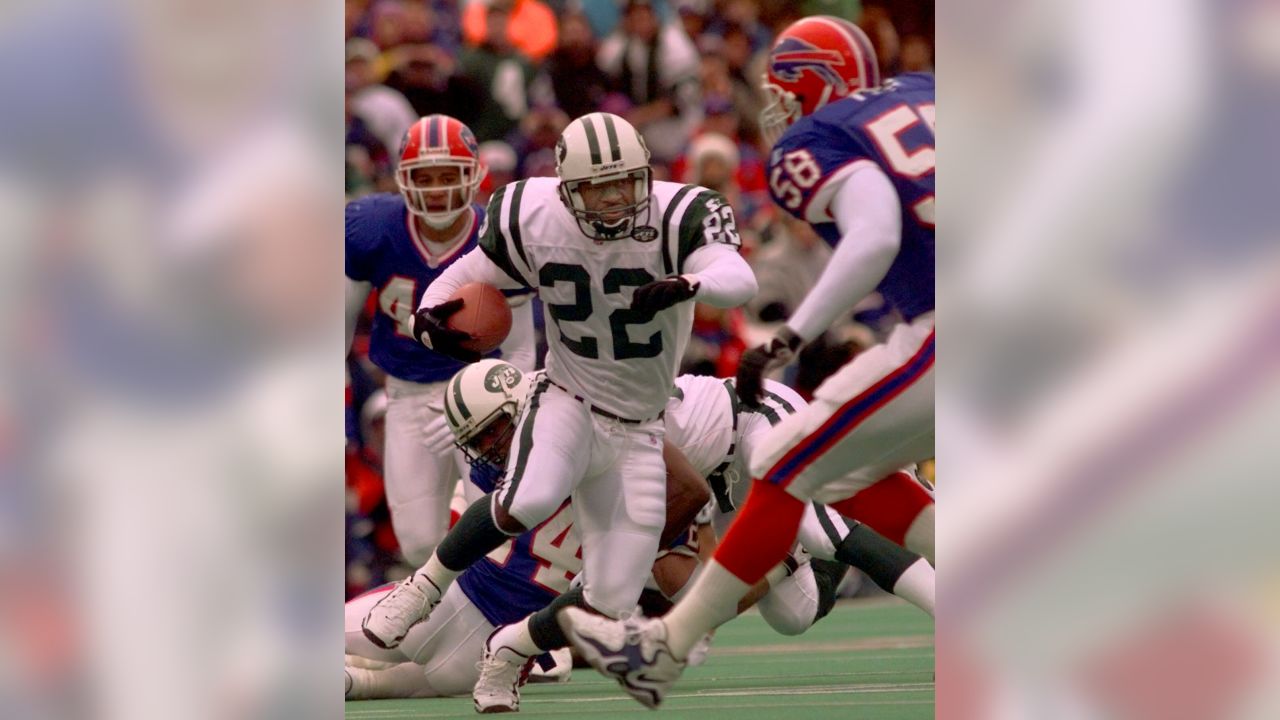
614	357
891	128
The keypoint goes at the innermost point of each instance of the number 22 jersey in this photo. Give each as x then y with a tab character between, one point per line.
892	128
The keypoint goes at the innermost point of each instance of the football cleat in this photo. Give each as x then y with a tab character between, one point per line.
632	651
502	672
407	605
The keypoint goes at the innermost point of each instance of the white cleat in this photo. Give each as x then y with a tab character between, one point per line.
408	604
559	672
502	672
347	672
632	651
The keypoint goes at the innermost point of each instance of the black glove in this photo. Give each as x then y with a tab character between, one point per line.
430	330
662	294
759	360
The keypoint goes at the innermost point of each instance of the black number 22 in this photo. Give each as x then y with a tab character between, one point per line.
580	309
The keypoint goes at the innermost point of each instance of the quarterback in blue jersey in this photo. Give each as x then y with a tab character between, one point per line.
396	245
854	157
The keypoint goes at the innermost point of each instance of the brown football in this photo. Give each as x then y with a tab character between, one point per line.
484	315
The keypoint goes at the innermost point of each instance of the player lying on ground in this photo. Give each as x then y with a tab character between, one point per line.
857	162
703	417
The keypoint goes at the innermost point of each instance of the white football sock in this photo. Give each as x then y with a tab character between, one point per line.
916	585
711	602
442	576
405	680
919	537
516	636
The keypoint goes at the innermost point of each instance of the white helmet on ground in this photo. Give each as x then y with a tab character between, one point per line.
601	149
478	395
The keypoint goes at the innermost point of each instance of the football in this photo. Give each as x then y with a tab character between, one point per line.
485	316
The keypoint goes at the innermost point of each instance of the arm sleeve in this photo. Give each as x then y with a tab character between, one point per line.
723	278
357	292
475	266
869	216
518	348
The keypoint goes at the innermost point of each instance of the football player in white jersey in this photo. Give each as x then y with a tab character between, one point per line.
617	259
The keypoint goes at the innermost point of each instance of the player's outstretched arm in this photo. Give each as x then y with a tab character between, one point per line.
869	216
720	276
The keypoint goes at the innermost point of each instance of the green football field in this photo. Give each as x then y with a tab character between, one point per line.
867	659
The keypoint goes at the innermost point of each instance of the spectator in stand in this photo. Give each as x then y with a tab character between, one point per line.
387	23
917	54
656	67
695	17
427	77
878	24
501	160
529	26
536	141
384	111
578	83
506	75
368	161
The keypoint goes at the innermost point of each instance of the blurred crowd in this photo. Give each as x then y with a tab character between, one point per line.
684	72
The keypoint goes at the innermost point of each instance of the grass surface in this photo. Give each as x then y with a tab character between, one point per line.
867	659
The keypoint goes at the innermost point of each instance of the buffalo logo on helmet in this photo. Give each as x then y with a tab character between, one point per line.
469	140
501	378
792	57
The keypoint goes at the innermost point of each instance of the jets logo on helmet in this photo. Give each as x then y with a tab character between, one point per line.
605	179
502	378
476	397
814	61
793	56
439	141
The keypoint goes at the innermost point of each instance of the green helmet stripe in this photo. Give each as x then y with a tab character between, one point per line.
615	150
448	411
457	399
593	142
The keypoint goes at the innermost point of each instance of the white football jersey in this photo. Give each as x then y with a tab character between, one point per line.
700	421
598	348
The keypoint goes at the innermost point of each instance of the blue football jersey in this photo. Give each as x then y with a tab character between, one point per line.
893	128
382	250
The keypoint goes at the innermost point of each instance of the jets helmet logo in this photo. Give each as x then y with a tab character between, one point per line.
501	379
792	57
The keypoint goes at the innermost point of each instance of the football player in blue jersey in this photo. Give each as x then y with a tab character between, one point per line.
854	157
397	244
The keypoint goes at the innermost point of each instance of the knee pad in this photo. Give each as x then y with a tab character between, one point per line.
791	606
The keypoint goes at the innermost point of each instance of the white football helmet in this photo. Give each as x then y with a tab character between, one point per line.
476	396
600	148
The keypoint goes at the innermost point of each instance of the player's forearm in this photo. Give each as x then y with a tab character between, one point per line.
687	493
518	348
357	293
475	266
722	277
869	217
